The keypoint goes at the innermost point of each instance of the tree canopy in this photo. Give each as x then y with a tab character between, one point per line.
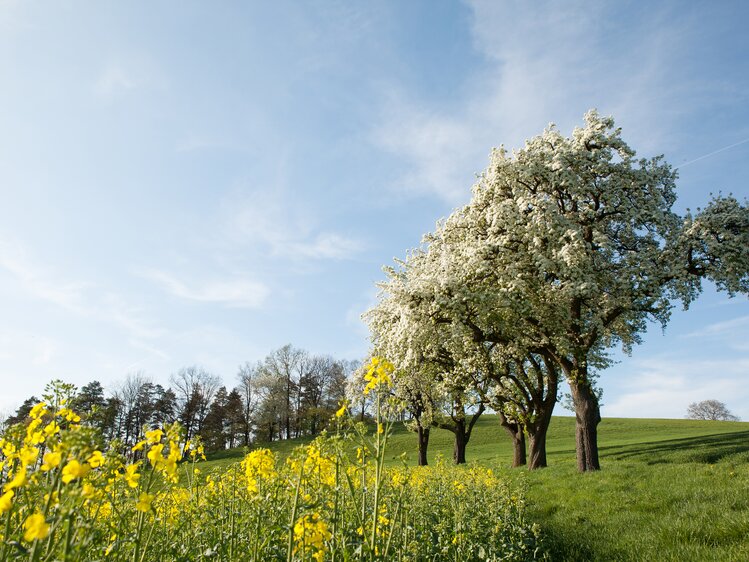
568	247
712	410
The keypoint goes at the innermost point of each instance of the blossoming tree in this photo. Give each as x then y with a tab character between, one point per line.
569	247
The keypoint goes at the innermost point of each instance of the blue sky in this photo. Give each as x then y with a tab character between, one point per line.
200	183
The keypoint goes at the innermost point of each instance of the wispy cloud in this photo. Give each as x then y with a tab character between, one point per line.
192	142
133	72
548	62
235	292
114	79
79	297
23	347
665	386
721	328
39	282
10	18
285	227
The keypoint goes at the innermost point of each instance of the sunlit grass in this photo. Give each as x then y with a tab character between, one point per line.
669	489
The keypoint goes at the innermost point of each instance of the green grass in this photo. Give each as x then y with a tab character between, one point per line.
668	489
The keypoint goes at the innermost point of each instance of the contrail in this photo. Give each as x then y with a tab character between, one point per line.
134	364
711	154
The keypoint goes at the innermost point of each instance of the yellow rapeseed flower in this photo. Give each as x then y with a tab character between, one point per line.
260	464
154	455
51	460
27	455
9	448
38	411
131	475
310	534
74	470
341	411
154	436
88	491
378	373
35	527
51	429
144	502
96	459
69	415
17	481
6	501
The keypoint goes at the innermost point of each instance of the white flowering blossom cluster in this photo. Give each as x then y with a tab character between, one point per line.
568	247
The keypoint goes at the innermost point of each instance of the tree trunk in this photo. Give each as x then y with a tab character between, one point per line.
459	448
537	431
537	446
423	434
518	449
587	416
517	436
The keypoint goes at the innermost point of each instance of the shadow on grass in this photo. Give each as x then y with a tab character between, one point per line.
706	449
237	453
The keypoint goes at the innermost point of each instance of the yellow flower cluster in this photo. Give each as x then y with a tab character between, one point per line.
61	498
378	373
315	466
164	450
260	464
310	535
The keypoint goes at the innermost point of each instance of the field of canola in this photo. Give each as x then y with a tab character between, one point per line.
66	497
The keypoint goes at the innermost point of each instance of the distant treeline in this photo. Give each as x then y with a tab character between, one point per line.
289	394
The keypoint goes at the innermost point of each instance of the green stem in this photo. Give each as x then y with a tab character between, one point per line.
6	534
290	546
378	478
68	537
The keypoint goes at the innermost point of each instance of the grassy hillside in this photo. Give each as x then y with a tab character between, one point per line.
669	489
649	440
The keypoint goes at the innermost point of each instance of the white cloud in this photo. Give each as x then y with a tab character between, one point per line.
133	72
354	313
285	227
39	282
21	347
721	328
544	63
81	298
194	142
114	79
665	386
236	293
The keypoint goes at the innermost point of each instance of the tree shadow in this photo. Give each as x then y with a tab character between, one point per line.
706	449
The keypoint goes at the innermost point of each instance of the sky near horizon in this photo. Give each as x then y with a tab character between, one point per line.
201	183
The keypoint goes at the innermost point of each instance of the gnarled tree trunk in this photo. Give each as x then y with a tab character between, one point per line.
462	431
538	430
460	443
587	417
517	436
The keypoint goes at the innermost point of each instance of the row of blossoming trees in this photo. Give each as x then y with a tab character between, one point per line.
567	248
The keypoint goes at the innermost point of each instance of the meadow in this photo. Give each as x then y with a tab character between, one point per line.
668	490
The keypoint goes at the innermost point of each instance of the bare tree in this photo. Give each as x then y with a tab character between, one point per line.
195	388
285	366
130	397
249	389
710	410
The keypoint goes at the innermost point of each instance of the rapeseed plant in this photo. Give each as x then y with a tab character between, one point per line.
63	497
